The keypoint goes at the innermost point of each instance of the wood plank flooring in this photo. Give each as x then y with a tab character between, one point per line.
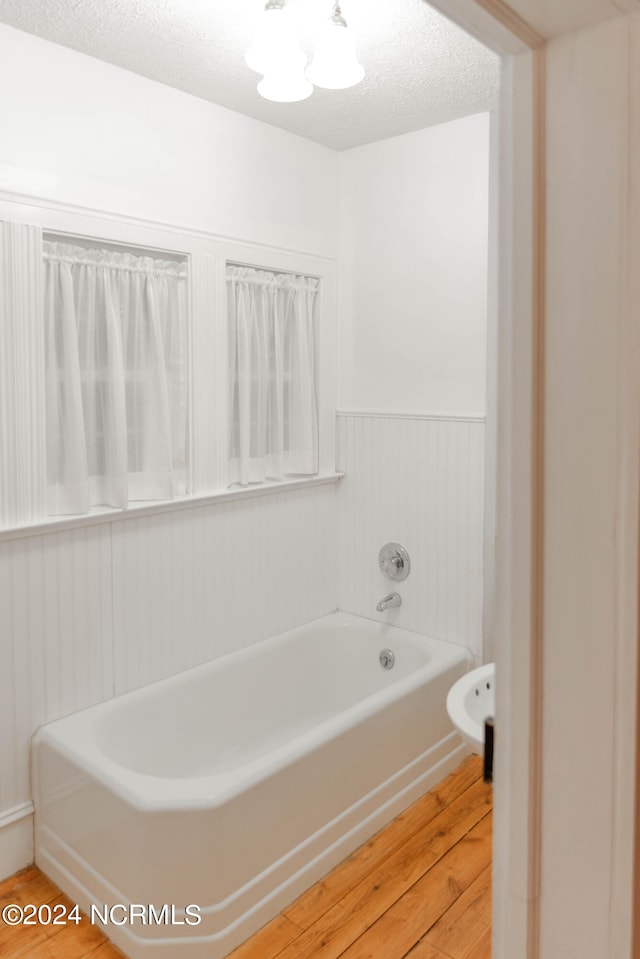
419	889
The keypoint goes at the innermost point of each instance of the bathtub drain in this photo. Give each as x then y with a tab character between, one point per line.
387	659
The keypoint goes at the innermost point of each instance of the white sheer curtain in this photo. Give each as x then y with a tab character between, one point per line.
115	340
274	422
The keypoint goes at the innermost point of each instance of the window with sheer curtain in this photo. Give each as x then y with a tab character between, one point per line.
95	371
115	377
272	368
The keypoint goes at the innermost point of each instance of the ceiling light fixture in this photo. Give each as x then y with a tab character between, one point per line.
274	39
276	54
286	82
335	63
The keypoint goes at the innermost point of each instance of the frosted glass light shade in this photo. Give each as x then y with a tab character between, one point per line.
275	40
285	83
335	64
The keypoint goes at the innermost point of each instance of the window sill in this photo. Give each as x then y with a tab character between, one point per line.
104	515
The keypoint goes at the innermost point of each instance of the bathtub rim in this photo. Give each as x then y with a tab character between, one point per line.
76	741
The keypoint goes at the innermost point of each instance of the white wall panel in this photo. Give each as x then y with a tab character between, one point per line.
195	584
55	621
418	481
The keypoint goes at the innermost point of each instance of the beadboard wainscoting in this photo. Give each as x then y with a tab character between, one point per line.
92	612
191	586
418	481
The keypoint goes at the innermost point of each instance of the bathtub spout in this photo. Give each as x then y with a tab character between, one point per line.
388	602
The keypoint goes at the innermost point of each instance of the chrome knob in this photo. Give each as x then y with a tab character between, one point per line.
394	562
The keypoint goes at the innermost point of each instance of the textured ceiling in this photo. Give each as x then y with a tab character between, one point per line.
420	68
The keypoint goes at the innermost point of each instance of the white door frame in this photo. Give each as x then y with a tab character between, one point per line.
520	483
517	629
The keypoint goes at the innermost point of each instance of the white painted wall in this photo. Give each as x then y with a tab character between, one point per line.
414	245
82	131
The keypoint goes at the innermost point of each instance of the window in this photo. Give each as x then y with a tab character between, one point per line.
272	367
130	375
115	377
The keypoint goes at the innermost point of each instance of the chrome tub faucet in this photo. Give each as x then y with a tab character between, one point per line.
388	602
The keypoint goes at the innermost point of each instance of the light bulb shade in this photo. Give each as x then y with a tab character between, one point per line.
285	84
275	41
335	63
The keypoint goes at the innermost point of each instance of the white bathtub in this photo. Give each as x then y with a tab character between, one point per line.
236	785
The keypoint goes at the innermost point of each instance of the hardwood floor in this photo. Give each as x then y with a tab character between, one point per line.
419	889
47	941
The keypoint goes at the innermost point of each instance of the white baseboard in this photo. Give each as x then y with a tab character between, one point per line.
16	839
